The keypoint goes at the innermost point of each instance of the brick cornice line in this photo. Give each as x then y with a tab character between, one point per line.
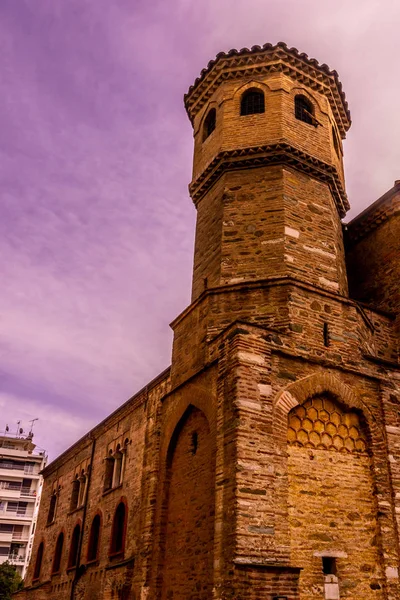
269	58
271	154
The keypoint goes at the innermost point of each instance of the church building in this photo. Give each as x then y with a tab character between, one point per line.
264	464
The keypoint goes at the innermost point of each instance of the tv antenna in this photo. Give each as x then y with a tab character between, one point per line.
32	422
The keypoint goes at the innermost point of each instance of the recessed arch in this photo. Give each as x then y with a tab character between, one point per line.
58	552
322	382
188	499
38	561
118	530
94	537
74	546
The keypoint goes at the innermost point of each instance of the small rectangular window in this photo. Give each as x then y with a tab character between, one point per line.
329	565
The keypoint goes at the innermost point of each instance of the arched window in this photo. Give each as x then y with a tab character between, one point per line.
73	551
75	493
209	123
58	553
109	471
82	489
94	537
117	475
38	562
252	102
52	508
118	530
304	110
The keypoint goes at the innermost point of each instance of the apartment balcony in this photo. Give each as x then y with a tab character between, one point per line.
19	473
14	560
6	537
16	515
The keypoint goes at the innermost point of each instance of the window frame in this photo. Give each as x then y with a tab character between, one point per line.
255	92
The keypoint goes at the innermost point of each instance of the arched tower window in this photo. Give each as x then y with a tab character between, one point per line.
94	537
209	123
118	530
304	110
38	562
73	551
58	553
252	102
52	508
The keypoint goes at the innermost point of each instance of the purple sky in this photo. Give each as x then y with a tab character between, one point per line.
97	228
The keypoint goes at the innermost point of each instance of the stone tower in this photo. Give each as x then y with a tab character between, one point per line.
264	463
296	478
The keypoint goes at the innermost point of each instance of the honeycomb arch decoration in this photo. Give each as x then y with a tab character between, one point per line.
322	423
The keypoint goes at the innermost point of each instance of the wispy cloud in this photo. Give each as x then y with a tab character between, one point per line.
96	228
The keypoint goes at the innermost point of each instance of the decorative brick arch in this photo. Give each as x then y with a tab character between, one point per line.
319	383
196	396
249	85
298	90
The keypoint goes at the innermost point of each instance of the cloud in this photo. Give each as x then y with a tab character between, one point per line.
97	228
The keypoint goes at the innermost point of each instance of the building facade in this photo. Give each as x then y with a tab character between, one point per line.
20	487
264	464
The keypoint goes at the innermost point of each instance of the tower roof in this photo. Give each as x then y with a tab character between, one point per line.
269	58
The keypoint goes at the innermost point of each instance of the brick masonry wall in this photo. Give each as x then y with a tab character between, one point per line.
374	266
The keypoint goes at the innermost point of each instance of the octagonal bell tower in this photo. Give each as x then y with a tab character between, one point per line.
268	178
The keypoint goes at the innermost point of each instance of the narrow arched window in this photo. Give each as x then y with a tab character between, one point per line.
73	551
252	103
38	562
118	530
52	508
75	494
82	489
209	123
109	471
58	554
117	475
94	537
304	110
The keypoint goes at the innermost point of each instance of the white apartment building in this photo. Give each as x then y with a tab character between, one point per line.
20	487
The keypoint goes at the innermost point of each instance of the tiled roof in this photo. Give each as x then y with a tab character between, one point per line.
269	49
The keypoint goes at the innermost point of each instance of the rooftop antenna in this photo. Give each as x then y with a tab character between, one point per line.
32	422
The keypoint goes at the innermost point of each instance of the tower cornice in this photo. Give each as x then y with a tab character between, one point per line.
270	58
271	154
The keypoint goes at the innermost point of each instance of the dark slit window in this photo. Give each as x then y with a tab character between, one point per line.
210	123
